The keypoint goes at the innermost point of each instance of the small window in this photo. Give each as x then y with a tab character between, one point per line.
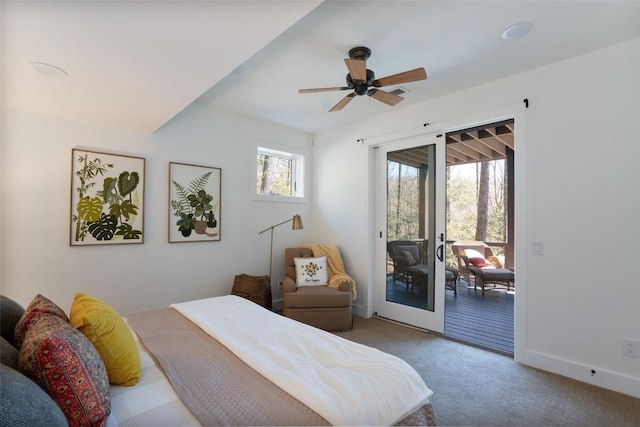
279	174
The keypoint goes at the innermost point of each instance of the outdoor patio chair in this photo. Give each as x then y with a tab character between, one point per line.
408	265
406	256
420	276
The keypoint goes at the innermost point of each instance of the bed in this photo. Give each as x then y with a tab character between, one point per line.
229	361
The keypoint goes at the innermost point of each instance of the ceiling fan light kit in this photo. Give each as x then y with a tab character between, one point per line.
363	81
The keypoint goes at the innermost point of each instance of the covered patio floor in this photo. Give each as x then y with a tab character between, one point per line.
485	321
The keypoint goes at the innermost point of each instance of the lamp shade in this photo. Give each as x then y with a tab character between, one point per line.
297	223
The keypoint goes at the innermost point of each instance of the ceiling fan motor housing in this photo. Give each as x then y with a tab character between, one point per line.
360	87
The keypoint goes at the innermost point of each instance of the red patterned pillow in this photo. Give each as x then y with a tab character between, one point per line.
479	262
37	307
62	361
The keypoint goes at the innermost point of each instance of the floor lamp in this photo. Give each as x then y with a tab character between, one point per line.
297	225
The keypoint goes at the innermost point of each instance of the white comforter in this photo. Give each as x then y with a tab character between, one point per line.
344	382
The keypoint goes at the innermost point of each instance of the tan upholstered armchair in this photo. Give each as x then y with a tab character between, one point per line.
320	306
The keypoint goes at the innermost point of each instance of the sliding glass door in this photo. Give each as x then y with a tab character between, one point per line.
410	210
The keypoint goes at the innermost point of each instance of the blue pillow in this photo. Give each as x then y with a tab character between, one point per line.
10	313
24	403
9	355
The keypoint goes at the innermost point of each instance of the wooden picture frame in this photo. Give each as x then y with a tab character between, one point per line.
194	203
107	198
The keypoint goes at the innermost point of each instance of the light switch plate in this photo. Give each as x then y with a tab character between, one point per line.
538	248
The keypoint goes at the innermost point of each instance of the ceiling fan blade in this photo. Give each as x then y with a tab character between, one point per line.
357	68
322	89
386	97
344	101
405	77
397	91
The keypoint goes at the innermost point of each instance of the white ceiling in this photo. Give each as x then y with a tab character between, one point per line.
138	64
132	64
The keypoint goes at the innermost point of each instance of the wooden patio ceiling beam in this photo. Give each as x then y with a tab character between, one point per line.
405	160
471	143
462	150
503	134
483	146
414	157
480	143
498	147
454	160
463	154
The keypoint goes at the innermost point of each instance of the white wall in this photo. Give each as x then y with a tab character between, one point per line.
579	184
36	174
579	178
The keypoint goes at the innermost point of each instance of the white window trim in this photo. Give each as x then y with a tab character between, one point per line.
298	151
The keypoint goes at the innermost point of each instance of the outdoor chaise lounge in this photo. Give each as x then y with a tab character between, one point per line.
492	275
477	263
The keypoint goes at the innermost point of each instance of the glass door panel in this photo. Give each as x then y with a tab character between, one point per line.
410	214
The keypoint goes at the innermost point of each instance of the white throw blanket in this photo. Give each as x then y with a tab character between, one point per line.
344	382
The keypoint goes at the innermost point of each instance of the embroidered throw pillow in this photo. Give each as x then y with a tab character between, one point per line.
65	364
311	271
38	306
110	335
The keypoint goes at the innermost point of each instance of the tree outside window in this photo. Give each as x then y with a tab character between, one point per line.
279	174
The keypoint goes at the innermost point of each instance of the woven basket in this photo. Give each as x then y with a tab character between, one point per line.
254	288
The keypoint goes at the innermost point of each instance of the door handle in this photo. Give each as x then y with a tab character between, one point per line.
439	253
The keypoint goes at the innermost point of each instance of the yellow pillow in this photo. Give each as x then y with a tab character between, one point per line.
110	335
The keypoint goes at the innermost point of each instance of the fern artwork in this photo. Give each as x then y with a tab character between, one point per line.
194	203
107	195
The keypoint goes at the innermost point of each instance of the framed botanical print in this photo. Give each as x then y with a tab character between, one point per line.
107	198
194	203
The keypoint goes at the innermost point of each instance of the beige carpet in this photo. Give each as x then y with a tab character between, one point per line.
474	387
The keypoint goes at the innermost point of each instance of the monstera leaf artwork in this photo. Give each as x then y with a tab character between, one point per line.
107	197
127	182
194	207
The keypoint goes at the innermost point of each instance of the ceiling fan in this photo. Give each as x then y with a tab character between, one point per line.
364	82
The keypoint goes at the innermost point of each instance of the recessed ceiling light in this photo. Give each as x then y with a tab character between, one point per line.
49	70
517	31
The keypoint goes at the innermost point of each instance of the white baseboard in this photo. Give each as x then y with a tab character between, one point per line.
588	374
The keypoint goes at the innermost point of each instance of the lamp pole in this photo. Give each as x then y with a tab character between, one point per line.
297	225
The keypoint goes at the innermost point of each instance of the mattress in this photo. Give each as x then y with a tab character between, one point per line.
243	397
